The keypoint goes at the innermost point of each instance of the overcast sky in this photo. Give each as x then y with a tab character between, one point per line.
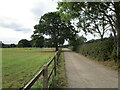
17	18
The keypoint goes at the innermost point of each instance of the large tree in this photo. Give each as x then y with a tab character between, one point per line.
89	20
88	12
52	25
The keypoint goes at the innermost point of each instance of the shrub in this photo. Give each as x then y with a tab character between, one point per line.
99	49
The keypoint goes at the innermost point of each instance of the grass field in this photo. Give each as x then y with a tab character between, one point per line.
19	65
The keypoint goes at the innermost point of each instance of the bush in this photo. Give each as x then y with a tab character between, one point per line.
114	55
99	49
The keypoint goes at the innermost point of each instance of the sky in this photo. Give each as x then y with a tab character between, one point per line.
17	18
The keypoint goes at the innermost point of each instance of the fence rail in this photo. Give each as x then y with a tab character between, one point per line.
44	72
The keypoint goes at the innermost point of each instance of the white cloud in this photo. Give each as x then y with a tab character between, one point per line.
16	16
42	7
10	36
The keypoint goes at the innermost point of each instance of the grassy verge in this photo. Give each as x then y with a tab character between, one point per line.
109	63
60	80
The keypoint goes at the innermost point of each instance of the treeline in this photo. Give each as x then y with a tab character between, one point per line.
98	49
8	45
40	42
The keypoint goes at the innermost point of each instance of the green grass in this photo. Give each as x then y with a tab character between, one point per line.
60	80
19	65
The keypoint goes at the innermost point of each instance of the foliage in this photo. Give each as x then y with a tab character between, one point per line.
93	16
24	43
8	45
90	13
5	45
48	43
12	45
98	49
52	25
114	54
37	41
78	40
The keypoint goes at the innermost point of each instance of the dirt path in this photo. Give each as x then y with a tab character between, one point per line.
84	73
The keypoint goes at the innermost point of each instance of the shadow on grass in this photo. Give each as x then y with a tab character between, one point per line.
47	51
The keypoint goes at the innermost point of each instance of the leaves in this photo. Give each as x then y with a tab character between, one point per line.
89	12
52	25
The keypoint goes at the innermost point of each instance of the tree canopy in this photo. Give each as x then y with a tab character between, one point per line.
37	41
51	24
90	13
24	43
78	40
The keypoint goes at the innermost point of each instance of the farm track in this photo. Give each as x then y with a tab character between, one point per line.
84	73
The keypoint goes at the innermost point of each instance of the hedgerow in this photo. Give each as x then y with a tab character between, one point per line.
99	49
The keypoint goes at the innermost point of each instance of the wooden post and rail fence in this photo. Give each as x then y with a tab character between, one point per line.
44	72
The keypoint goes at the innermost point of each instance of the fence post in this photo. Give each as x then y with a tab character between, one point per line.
58	55
45	77
55	63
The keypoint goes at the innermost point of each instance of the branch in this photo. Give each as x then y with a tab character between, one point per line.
107	27
112	19
111	9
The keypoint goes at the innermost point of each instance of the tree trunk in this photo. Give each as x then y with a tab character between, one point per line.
117	11
118	41
101	37
56	48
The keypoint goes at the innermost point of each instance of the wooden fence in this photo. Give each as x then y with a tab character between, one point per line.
44	72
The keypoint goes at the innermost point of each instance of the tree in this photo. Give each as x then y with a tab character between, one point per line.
89	11
100	26
78	40
2	45
52	25
89	20
111	11
114	20
37	41
24	43
48	43
12	45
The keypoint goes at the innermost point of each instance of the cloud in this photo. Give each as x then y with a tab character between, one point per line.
9	36
42	7
11	24
38	10
17	17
